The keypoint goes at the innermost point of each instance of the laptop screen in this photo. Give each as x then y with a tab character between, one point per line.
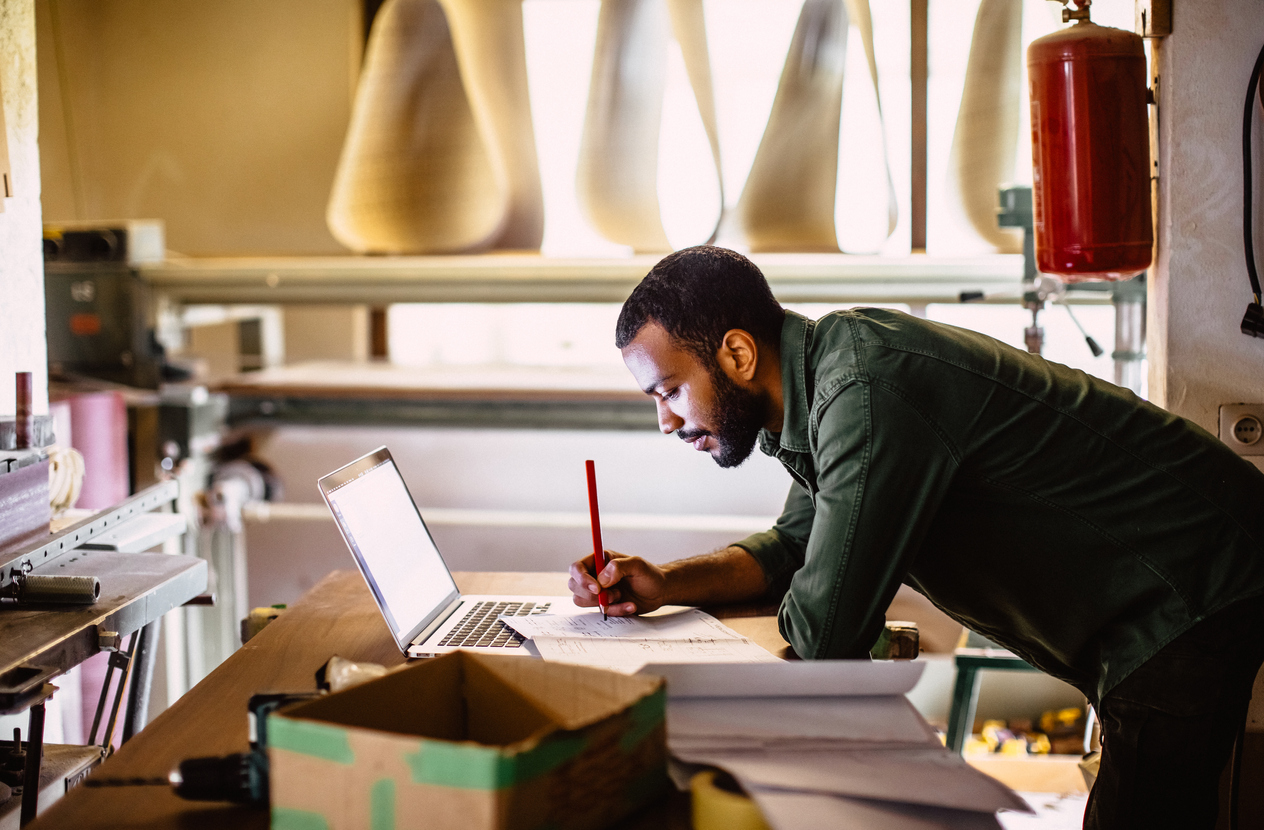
385	532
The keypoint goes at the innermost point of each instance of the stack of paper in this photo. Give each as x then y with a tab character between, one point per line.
826	744
627	643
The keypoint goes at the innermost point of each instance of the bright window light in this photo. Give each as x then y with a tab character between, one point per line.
747	43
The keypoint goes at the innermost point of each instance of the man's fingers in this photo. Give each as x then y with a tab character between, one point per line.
615	570
582	580
617	581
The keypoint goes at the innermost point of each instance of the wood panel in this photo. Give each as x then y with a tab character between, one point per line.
919	72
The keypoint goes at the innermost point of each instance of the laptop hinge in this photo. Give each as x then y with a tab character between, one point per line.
442	617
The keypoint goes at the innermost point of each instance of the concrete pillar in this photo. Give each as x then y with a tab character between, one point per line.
1199	358
22	344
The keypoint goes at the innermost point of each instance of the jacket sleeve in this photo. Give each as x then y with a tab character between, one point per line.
882	470
779	551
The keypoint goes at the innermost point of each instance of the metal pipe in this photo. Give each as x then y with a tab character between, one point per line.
124	674
1129	351
34	759
260	511
142	679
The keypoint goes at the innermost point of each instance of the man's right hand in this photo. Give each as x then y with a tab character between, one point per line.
632	585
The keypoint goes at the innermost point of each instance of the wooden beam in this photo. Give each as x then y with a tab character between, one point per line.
919	71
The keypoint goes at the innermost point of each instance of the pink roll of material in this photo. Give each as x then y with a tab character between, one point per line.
98	429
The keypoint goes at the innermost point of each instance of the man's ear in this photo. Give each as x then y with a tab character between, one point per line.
738	355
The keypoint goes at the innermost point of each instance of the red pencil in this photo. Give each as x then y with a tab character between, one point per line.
599	551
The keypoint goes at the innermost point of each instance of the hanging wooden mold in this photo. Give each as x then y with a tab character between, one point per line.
440	154
618	170
795	191
985	141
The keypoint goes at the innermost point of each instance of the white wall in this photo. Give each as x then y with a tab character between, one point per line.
1198	357
529	470
22	344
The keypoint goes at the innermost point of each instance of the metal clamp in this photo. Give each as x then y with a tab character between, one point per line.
108	640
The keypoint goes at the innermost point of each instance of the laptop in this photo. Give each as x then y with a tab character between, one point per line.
411	583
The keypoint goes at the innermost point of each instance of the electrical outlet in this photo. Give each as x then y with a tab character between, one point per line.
1242	427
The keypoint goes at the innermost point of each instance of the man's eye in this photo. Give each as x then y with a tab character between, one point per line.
670	395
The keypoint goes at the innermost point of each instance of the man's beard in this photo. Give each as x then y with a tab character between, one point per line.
738	416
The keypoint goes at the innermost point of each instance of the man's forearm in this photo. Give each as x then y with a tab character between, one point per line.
725	576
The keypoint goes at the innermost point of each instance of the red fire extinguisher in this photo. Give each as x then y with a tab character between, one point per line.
1090	152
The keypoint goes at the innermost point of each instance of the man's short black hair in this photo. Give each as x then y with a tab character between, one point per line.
696	295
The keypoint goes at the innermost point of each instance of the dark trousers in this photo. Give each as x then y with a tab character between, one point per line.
1168	729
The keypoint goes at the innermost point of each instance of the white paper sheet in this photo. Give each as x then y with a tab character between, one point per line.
625	644
631	655
742	722
800	678
810	811
930	776
686	624
836	740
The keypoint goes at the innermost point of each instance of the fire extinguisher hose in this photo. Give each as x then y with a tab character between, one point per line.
1247	224
1253	320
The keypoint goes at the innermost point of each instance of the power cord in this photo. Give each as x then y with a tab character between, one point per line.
1253	320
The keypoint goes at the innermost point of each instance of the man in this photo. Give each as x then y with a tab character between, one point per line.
1104	540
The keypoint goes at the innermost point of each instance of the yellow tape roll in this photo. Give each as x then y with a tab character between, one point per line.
719	809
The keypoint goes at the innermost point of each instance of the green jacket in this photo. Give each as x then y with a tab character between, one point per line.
1053	512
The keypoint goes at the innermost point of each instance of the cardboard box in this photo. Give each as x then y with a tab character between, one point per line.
471	741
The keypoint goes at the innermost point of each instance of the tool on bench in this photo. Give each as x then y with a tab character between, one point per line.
55	590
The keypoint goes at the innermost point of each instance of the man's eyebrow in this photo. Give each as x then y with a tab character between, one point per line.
649	390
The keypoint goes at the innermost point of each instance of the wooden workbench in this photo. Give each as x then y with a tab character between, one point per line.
336	617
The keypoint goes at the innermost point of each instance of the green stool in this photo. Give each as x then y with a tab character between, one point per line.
979	653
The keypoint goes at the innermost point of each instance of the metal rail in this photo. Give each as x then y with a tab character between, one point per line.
24	559
263	511
531	278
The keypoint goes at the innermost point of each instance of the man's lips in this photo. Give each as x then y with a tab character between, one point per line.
698	440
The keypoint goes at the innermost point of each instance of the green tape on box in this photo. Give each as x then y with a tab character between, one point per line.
287	818
483	768
646	715
551	754
382	805
310	738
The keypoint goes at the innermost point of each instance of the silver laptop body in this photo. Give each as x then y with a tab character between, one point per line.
406	574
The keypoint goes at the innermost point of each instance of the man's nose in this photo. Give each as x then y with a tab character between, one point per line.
668	421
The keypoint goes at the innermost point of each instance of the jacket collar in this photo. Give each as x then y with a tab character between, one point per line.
796	333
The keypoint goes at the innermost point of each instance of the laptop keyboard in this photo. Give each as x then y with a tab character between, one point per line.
482	628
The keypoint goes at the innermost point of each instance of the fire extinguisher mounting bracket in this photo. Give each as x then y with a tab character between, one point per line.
1154	18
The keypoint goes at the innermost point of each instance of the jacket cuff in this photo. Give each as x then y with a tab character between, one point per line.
769	549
